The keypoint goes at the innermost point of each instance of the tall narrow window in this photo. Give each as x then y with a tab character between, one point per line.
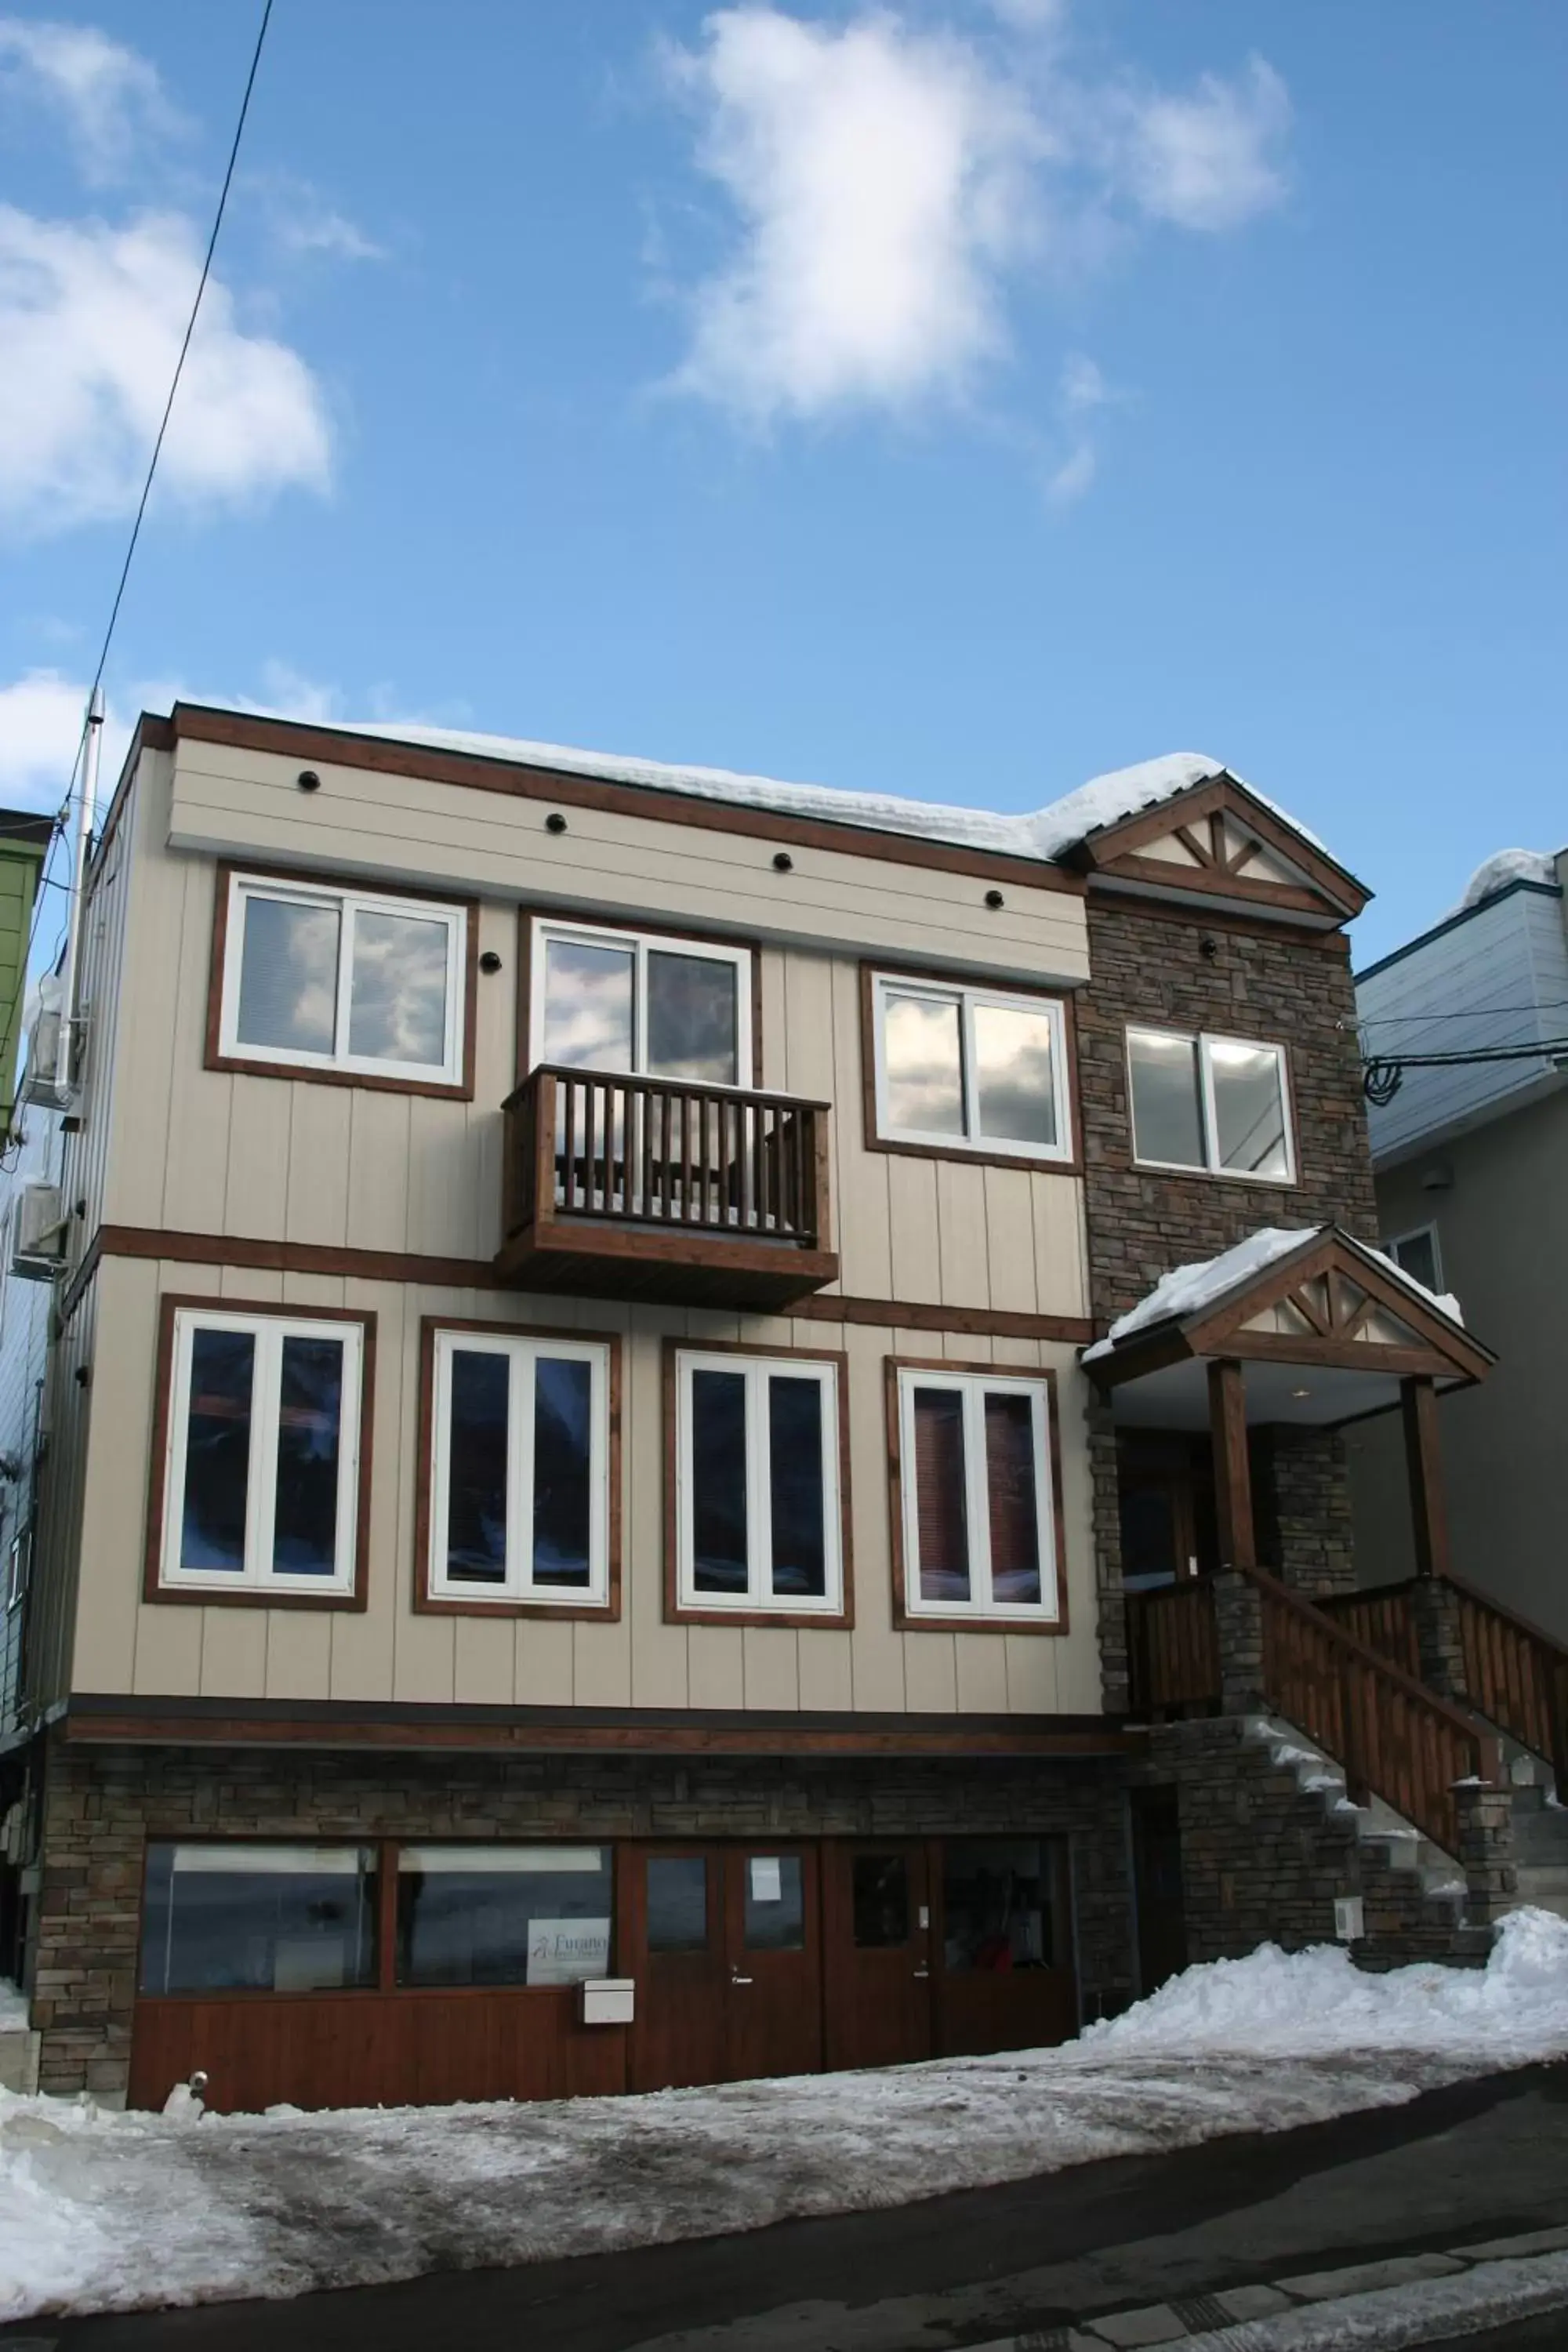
977	1506
1217	1104
967	1069
351	980
757	1472
261	1466
651	1007
520	1469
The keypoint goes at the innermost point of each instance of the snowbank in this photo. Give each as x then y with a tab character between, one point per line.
13	2008
116	2212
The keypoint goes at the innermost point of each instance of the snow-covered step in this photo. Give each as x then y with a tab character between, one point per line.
1404	1846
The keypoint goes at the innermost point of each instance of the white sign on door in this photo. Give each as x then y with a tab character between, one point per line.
767	1879
565	1951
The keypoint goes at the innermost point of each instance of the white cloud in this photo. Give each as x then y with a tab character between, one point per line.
886	181
1074	478
109	99
41	719
1081	393
91	321
875	172
1211	160
302	221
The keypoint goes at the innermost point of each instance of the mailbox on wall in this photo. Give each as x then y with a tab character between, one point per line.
607	2000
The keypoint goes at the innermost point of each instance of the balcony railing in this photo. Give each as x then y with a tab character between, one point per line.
728	1184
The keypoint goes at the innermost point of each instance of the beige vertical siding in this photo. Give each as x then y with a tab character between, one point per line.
387	1653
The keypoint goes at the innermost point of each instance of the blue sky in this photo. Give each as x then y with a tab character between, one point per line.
957	400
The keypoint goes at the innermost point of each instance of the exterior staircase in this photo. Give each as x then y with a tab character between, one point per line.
1539	1831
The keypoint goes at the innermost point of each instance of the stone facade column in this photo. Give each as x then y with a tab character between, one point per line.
1109	1601
1435	1606
1304	1524
1485	1850
1239	1624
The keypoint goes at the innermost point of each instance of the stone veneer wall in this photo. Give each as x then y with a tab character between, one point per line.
1148	964
101	1805
1263	1859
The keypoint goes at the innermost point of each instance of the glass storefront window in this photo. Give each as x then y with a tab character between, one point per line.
880	1890
999	1905
259	1918
498	1915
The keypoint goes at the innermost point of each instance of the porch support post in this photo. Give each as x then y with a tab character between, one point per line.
1232	1477
1418	1408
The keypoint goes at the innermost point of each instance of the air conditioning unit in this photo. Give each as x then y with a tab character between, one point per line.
38	1233
46	1080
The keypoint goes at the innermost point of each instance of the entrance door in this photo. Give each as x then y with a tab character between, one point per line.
773	1938
1157	1882
726	1945
878	1940
1165	1485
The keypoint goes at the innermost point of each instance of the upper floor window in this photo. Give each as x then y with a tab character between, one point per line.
1219	1104
635	1002
261	1460
970	1070
1417	1254
977	1497
317	978
756	1483
520	1469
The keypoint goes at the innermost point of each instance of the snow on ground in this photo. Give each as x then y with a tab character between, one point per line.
13	2008
115	2212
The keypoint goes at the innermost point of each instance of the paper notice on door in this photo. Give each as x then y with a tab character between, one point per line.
565	1951
767	1879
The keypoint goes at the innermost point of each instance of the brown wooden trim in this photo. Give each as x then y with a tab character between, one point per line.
254	1066
1218	882
744	942
290	739
975	1322
1423	1459
1217	795
908	1621
103	1719
679	1613
1324	940
87	1266
182	1596
480	1274
959	1152
433	1604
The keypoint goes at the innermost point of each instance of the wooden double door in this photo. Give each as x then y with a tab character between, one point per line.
777	1959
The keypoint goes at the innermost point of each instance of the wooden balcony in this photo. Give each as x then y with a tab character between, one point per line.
648	1187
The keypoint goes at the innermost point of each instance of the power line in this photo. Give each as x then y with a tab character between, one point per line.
180	363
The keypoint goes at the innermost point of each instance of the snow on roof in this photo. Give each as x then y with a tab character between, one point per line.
1188	1290
1043	833
1506	865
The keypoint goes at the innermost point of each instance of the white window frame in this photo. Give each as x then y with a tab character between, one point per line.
522	1353
974	1388
758	1596
258	1573
967	999
1428	1232
546	928
349	903
1211	1164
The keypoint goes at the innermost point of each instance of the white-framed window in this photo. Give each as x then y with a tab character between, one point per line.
1220	1104
758	1517
261	1474
520	1469
970	1070
318	978
641	1003
1417	1254
978	1509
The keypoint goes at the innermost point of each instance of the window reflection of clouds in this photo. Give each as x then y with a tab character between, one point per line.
588	1005
288	975
397	1006
1167	1116
1013	1074
1249	1108
920	1047
691	1018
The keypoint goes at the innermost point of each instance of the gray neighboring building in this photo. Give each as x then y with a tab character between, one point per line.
1471	1169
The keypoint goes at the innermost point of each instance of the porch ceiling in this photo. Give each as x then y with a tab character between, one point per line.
1311	1396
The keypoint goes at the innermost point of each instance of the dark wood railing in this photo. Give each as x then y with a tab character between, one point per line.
638	1152
1515	1674
1391	1735
1383	1619
1172	1651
